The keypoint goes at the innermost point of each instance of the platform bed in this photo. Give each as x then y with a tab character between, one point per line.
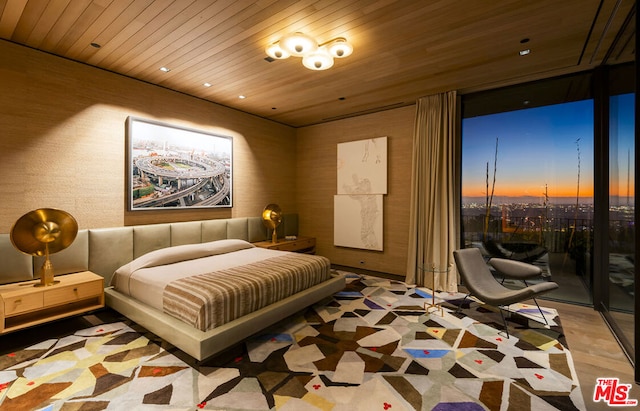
204	344
104	250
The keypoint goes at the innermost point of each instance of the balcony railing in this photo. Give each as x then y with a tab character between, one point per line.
557	234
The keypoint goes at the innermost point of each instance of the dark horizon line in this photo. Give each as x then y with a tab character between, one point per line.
532	199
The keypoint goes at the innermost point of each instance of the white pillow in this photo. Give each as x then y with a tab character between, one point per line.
186	252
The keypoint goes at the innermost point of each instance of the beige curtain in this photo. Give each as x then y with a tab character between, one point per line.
434	200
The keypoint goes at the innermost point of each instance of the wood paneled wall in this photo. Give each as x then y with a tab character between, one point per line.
316	186
62	143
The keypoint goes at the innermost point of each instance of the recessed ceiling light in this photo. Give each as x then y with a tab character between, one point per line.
95	45
207	84
241	96
525	52
165	69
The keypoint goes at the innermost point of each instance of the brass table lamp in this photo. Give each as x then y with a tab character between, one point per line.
271	218
43	232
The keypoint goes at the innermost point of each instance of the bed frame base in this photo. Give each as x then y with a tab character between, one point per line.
202	345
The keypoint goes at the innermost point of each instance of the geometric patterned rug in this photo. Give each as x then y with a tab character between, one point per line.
372	346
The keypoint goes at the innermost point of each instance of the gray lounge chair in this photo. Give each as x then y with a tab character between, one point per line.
480	283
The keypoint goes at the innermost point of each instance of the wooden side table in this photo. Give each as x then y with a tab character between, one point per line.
23	305
299	245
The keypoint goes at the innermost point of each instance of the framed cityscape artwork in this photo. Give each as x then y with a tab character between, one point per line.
172	167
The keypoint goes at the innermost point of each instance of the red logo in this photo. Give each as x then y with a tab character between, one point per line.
611	391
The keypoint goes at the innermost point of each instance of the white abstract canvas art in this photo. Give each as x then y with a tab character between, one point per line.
362	180
358	221
362	166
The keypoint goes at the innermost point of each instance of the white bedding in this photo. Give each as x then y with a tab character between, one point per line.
173	263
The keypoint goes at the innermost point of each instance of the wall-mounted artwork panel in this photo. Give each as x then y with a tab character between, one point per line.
362	180
177	167
362	166
358	221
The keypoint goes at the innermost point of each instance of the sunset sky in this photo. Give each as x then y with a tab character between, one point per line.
538	147
622	126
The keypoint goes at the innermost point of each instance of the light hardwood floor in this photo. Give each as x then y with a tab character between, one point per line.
595	351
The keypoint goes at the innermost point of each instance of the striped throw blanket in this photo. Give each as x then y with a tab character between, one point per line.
210	300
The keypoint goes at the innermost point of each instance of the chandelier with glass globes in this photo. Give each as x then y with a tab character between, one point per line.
314	56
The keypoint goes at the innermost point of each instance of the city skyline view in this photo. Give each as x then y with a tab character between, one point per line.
539	150
542	151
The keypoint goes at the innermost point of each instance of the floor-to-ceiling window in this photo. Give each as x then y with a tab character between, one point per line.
621	213
619	301
527	181
548	177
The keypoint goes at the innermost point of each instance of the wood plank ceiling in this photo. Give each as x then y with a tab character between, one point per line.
402	49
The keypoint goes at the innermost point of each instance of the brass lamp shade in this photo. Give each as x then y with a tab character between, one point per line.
271	218
42	232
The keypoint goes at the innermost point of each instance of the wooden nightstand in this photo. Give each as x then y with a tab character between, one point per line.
300	245
23	305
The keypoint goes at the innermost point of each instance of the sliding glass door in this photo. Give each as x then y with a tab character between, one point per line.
528	180
548	177
619	302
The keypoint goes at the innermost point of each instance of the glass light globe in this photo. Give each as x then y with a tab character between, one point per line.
319	60
277	52
298	44
340	48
